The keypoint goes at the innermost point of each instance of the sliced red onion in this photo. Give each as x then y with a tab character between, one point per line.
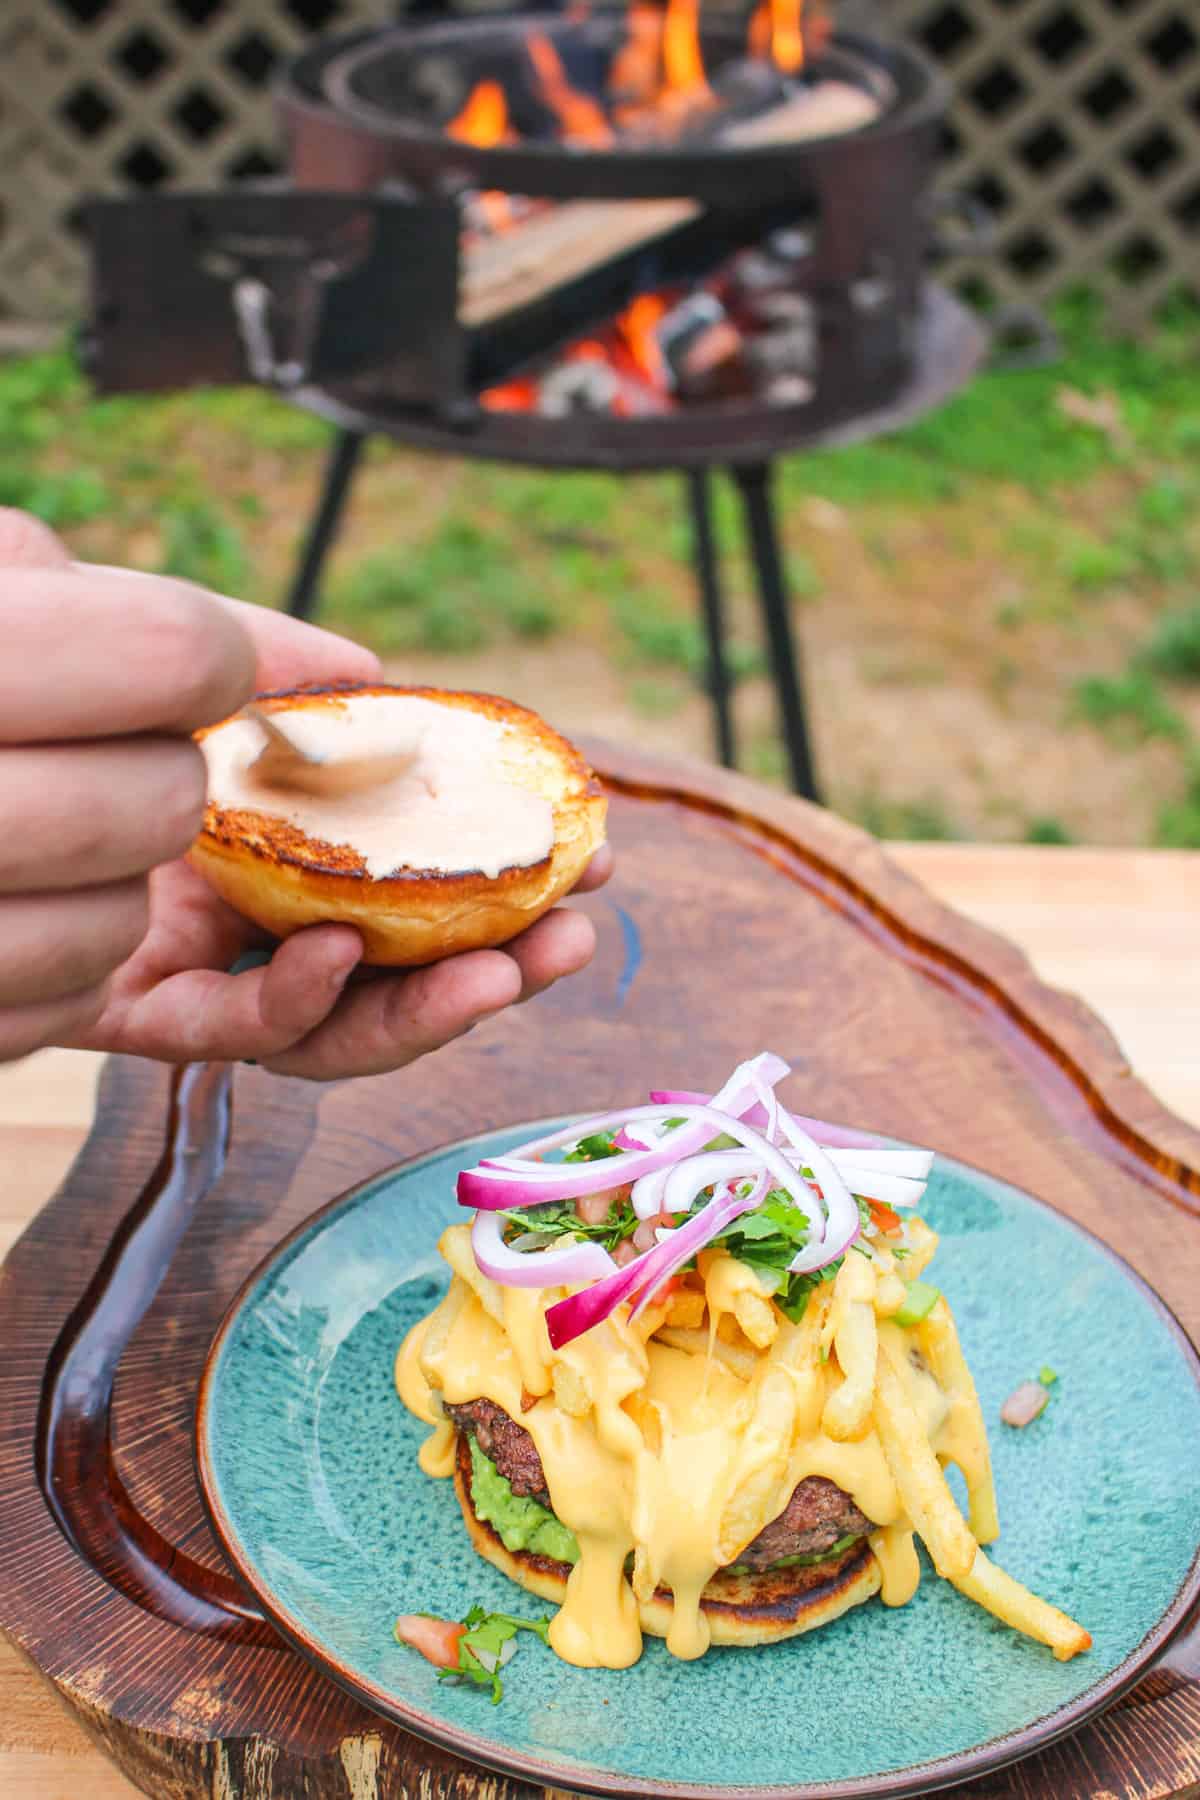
535	1268
570	1318
914	1164
512	1181
893	1190
646	1139
837	1136
725	1205
841	1223
646	1197
768	1099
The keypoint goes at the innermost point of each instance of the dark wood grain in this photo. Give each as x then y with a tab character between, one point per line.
739	919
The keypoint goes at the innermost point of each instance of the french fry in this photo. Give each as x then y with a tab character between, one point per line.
847	1412
757	1318
455	1246
572	1390
937	1337
743	1363
915	1470
1000	1594
762	1463
685	1309
921	1242
441	1323
525	1325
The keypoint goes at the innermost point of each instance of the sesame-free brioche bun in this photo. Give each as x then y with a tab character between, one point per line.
749	1609
271	872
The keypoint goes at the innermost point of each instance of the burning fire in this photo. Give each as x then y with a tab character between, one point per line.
659	70
484	119
635	326
682	58
580	116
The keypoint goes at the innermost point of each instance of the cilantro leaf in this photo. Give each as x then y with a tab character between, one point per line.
591	1149
487	1645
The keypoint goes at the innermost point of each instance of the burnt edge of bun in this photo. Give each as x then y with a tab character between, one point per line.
272	840
768	1597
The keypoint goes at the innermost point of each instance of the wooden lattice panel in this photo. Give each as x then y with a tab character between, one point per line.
1076	121
112	96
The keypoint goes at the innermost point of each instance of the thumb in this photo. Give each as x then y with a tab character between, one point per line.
25	543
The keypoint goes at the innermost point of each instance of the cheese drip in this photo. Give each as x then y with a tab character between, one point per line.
452	810
673	1455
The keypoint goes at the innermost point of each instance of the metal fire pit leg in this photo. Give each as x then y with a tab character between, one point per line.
339	473
754	481
704	551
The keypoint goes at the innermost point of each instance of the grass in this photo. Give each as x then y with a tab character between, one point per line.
1130	706
992	545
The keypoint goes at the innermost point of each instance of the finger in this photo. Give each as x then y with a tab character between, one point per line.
66	1022
82	816
597	872
56	944
25	543
205	1015
386	1023
560	944
87	656
292	654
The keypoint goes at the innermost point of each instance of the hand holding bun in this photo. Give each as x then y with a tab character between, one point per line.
493	820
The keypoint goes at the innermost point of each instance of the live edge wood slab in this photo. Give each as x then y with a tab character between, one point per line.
739	919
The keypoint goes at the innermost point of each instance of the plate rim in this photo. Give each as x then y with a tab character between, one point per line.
938	1773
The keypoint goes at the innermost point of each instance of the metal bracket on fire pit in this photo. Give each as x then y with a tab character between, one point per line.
278	287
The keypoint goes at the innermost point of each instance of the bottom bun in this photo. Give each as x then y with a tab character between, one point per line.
750	1609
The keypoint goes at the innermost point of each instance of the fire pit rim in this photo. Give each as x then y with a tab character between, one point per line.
613	172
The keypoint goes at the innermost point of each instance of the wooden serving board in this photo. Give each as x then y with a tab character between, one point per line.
739	919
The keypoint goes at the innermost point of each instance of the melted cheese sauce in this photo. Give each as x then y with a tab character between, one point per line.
668	1454
451	810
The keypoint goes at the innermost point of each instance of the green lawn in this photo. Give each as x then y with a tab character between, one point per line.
1025	560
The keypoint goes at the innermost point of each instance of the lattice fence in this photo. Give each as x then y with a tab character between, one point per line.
1076	121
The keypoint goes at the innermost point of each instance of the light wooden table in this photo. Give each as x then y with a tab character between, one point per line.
1120	928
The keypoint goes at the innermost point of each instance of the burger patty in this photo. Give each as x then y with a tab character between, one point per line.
817	1516
506	1444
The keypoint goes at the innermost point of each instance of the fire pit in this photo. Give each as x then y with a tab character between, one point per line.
618	240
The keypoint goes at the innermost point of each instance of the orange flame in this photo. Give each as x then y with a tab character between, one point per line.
636	326
777	31
683	62
633	76
484	118
484	121
579	115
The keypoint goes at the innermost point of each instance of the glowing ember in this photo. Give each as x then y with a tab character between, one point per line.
580	116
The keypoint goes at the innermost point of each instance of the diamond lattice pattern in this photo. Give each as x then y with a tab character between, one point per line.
1077	122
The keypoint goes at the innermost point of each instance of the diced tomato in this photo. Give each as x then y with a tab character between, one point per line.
436	1639
885	1217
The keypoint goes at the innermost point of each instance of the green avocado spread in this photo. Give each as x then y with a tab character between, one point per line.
520	1523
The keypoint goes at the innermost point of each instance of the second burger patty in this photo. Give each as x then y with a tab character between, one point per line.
817	1516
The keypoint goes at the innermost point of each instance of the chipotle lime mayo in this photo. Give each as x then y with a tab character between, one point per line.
452	809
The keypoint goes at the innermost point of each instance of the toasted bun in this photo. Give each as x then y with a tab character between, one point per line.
271	872
740	1609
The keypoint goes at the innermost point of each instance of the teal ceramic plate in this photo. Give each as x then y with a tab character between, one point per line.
308	1463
